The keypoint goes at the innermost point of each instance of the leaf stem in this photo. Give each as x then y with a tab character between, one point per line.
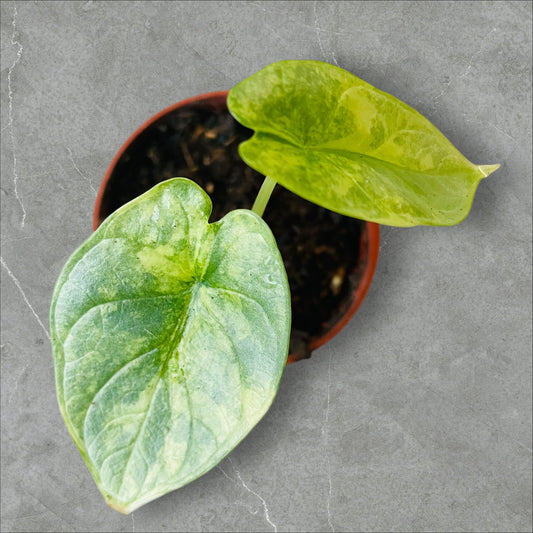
263	196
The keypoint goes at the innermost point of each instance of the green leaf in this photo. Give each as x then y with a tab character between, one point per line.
170	336
335	140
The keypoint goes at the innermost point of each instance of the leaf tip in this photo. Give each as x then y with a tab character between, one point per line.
488	169
118	507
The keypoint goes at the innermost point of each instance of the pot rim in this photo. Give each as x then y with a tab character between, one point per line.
368	243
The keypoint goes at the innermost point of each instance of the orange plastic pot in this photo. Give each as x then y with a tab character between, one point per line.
360	278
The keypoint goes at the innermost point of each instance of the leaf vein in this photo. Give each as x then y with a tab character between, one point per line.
122	300
235	351
112	421
139	433
249	298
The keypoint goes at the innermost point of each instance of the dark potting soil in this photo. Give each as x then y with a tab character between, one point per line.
319	247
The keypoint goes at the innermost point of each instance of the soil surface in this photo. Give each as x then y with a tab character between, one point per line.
319	247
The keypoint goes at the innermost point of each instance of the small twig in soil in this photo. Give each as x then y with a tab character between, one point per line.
188	158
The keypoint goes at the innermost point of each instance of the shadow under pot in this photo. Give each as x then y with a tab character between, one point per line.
330	259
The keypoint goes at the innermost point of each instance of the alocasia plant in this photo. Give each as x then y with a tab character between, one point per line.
170	334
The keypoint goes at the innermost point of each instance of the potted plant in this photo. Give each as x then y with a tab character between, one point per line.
329	258
170	333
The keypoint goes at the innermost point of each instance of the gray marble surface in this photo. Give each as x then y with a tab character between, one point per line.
417	416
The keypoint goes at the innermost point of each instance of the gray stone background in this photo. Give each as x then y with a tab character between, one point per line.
417	416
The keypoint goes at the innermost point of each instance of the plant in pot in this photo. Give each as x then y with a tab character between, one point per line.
170	333
329	258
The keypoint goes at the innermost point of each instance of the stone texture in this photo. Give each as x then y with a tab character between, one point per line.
417	416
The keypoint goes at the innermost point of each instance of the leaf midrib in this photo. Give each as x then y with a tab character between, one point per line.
173	343
352	155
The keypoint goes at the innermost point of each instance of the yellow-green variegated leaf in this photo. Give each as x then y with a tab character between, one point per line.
170	336
335	140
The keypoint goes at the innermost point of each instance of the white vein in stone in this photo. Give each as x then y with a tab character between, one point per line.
263	502
318	31
80	172
14	42
247	507
468	67
225	475
325	434
25	298
470	61
15	388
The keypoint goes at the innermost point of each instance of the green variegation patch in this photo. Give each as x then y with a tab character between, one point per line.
335	140
170	336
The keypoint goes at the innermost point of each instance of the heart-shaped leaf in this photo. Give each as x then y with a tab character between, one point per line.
335	140
170	336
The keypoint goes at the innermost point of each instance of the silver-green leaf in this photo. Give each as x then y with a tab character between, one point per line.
339	142
170	336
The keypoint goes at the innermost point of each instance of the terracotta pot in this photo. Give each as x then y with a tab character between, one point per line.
360	278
